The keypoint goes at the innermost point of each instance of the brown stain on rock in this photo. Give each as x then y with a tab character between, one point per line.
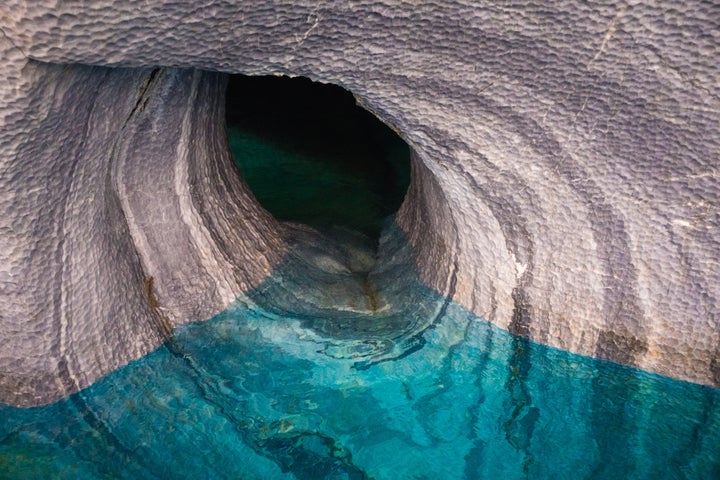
163	322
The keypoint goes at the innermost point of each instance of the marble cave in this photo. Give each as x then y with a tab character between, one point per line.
502	259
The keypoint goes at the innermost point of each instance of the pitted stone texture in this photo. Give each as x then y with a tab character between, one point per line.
111	231
72	286
569	150
197	228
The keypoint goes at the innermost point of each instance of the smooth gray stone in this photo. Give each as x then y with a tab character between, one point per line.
565	182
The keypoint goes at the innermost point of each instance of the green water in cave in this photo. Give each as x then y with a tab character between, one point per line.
311	155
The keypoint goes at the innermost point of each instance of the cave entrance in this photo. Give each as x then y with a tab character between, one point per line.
311	155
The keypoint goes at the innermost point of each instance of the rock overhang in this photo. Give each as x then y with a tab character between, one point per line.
562	187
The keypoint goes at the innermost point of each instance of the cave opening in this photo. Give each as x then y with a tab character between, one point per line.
311	155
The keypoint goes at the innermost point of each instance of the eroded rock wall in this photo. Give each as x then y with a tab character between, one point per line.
122	216
72	285
569	151
196	227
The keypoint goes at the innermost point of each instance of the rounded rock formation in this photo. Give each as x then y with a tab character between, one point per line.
565	178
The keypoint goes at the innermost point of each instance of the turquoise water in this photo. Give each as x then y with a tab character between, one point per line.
411	387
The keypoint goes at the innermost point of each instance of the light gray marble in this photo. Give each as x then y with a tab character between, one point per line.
566	183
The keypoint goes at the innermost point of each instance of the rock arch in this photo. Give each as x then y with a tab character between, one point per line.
565	183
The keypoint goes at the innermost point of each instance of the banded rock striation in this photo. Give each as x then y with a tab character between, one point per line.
565	180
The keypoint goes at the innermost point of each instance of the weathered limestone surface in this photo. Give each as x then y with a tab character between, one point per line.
69	269
566	185
112	232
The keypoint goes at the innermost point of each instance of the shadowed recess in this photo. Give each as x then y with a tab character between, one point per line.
311	155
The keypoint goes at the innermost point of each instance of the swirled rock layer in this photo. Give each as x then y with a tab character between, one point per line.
565	180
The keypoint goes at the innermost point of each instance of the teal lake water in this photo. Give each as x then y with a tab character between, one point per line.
428	391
